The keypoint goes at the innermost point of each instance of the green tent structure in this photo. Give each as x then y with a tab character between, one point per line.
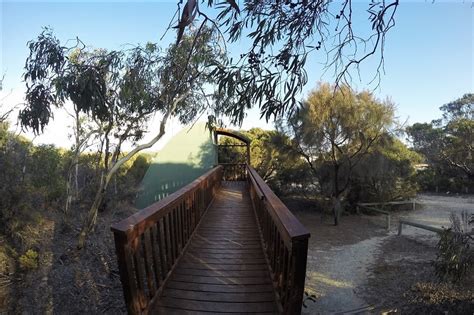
188	155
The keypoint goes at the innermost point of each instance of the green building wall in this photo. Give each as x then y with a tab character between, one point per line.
184	158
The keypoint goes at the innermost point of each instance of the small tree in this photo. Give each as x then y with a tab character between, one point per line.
333	130
448	143
455	257
83	132
385	173
269	154
121	91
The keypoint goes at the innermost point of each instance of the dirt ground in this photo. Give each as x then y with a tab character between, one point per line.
68	281
356	268
360	267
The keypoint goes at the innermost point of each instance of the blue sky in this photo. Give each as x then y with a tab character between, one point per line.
429	54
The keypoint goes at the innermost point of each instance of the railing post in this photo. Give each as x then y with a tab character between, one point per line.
299	253
400	226
124	259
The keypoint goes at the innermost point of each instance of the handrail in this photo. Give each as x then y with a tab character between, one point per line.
287	221
431	228
369	208
285	242
150	243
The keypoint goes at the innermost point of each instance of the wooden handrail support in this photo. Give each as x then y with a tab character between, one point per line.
403	202
425	227
150	242
364	206
285	242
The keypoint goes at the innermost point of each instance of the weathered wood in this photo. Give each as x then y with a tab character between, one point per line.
171	311
221	273
125	264
140	221
217	261
285	241
418	225
223	262
152	274
263	279
386	213
246	253
403	202
206	306
161	250
224	288
221	297
289	226
140	276
299	253
150	242
426	227
238	265
167	238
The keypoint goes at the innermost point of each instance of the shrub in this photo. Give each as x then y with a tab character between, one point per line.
455	257
29	260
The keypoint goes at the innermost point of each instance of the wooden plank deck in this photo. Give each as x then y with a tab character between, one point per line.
223	269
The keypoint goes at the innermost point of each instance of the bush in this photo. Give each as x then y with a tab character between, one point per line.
29	260
455	258
385	173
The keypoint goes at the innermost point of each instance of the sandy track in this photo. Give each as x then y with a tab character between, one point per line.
342	259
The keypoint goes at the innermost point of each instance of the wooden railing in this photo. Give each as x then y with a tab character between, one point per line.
376	210
285	243
150	242
234	171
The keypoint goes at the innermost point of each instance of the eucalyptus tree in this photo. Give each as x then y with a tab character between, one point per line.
120	91
332	132
282	35
448	143
84	132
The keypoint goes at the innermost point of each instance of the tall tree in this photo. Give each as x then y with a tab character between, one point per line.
282	35
121	91
333	130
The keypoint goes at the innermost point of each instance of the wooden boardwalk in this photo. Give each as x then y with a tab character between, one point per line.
223	269
214	246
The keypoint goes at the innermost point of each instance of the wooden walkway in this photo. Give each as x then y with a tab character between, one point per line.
223	269
213	246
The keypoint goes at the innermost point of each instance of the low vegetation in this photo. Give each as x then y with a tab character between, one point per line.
447	145
455	258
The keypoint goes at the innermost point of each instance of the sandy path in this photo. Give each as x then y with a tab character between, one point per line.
339	257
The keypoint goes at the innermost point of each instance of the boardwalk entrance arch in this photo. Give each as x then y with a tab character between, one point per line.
224	243
233	169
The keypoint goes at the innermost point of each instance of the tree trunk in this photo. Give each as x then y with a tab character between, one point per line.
337	210
68	194
76	179
91	218
336	201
